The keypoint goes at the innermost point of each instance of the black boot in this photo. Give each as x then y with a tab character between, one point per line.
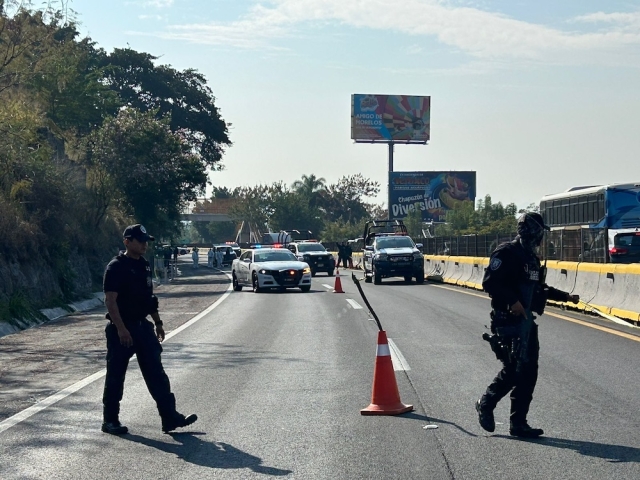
525	431
485	417
177	421
114	428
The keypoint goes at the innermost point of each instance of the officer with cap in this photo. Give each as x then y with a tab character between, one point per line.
129	299
515	280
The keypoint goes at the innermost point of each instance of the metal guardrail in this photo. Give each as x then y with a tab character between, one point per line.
580	245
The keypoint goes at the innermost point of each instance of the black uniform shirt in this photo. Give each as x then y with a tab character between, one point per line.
131	280
513	275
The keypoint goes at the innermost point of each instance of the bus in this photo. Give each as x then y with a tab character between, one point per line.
593	223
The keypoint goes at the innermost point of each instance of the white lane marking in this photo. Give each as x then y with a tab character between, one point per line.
56	397
399	362
328	287
354	304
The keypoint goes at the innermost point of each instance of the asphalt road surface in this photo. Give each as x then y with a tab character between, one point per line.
278	380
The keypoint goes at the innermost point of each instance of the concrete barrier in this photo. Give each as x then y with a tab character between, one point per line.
562	275
455	270
609	288
479	265
587	283
466	265
626	304
438	269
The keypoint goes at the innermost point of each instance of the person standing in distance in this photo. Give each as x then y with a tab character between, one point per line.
514	280
210	258
129	299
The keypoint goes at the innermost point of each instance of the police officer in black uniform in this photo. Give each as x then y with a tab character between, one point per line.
515	281
129	299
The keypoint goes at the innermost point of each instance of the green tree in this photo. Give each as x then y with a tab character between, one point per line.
153	170
181	96
310	188
413	221
340	230
346	199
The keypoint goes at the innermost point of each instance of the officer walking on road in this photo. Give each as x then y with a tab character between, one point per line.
515	280
129	299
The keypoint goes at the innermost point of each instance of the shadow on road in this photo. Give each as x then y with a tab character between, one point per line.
218	355
423	418
611	453
194	450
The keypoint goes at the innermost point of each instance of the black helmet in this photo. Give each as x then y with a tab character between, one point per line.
531	228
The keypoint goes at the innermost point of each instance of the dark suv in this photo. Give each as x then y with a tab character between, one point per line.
390	252
315	255
626	248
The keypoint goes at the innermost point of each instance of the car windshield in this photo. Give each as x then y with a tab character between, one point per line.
627	239
311	247
394	242
283	256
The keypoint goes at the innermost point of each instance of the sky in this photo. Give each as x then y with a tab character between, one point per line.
536	97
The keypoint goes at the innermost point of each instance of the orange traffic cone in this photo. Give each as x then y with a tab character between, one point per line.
338	286
385	399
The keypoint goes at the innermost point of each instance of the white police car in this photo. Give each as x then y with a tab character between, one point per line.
267	268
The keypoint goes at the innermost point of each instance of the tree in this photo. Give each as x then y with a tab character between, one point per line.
345	200
311	188
153	170
181	96
290	212
413	221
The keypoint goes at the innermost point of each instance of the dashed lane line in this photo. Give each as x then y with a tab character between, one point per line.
400	363
56	397
355	305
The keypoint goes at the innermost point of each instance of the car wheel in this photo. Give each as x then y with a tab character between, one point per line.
236	286
330	273
367	276
305	289
256	285
377	278
420	277
407	278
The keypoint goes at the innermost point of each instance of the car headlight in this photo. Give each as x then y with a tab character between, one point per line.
381	256
417	255
306	270
263	271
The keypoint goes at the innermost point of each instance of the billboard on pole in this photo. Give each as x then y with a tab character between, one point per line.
390	118
433	193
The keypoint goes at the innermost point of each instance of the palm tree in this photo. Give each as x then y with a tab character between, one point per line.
310	187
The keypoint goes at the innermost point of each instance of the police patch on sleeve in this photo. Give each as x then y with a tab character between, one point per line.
495	263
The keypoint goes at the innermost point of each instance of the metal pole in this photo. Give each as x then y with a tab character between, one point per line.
389	178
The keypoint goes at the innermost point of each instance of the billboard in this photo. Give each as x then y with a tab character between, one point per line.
431	192
390	118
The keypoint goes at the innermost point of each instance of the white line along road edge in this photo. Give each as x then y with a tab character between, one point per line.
56	397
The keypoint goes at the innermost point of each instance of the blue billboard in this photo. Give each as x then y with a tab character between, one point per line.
433	193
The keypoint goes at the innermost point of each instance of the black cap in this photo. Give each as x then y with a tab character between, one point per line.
138	232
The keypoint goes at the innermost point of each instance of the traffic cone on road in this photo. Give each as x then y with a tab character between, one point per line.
337	288
385	399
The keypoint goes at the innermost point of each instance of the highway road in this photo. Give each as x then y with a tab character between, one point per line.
278	381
